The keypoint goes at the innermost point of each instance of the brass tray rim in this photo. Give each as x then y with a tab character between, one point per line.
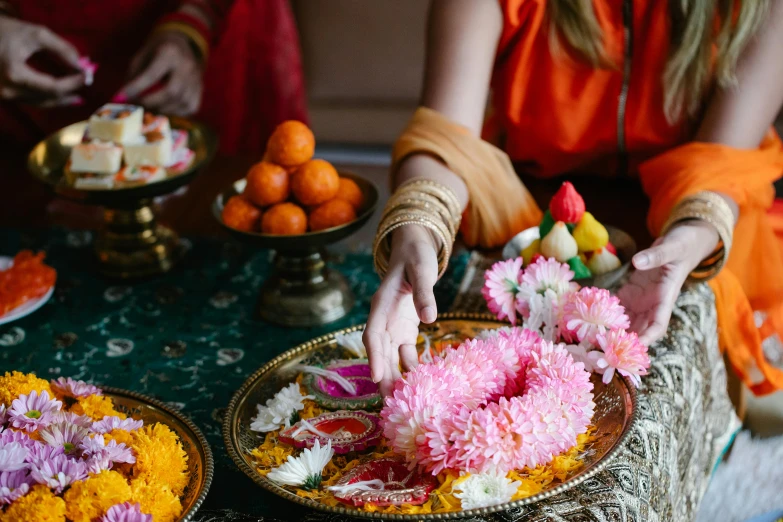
209	464
230	439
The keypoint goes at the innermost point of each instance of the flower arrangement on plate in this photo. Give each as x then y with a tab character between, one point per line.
66	453
481	422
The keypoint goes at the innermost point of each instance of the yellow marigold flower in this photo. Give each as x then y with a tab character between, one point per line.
96	407
160	459
14	384
156	500
89	499
121	436
39	505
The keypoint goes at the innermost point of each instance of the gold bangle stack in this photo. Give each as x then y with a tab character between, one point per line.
712	209
422	202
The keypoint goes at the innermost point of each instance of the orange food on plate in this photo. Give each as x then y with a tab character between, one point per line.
333	213
350	192
284	219
28	278
291	144
240	214
315	182
267	184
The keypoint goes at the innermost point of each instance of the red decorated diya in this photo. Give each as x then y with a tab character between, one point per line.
347	430
400	484
331	395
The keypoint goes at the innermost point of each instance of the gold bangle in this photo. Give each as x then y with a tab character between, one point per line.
444	193
381	248
710	208
190	33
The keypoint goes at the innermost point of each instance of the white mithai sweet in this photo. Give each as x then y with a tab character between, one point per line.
559	243
155	123
116	122
94	181
152	148
98	157
140	174
603	261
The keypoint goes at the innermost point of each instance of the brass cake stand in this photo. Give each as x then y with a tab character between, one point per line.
302	291
131	243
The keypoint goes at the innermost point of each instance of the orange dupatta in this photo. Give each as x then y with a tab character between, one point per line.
753	276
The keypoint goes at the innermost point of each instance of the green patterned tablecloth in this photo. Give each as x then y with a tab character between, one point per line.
188	338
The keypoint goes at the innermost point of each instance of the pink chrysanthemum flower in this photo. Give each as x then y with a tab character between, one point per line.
108	424
622	351
73	388
13	484
59	472
64	435
125	512
501	284
102	456
13	456
593	311
33	411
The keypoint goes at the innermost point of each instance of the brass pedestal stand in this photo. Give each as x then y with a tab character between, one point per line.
302	291
131	244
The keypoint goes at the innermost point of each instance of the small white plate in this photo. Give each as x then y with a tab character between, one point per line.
27	307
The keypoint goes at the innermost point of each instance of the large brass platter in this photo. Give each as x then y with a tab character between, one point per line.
201	466
47	160
615	414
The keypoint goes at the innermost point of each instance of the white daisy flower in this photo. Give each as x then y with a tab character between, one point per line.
353	343
485	490
279	410
305	470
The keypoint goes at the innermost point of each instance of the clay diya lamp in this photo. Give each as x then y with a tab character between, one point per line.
347	431
400	484
332	396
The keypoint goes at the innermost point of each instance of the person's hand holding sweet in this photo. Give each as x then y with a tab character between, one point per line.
169	59
19	41
661	270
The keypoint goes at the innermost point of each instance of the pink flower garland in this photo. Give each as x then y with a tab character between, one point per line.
498	404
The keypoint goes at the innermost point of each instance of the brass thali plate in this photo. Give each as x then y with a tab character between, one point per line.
201	466
613	419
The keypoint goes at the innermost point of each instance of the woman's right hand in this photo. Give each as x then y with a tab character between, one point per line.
404	299
19	41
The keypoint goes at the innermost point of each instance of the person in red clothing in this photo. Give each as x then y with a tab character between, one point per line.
233	63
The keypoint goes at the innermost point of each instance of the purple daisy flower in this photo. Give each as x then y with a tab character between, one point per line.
73	388
13	456
40	452
13	484
64	435
13	436
102	456
125	512
3	416
58	472
82	421
115	423
33	411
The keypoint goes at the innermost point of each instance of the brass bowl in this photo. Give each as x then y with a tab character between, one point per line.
131	243
302	291
623	242
615	414
201	466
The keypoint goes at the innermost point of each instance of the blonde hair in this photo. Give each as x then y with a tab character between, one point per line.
690	69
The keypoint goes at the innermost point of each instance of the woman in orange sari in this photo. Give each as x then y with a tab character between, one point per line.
679	95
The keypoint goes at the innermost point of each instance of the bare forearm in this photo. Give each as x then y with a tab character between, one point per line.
462	39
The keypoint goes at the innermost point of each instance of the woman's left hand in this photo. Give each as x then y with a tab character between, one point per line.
168	58
661	270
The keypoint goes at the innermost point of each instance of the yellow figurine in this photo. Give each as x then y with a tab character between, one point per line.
603	261
529	251
590	235
559	243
